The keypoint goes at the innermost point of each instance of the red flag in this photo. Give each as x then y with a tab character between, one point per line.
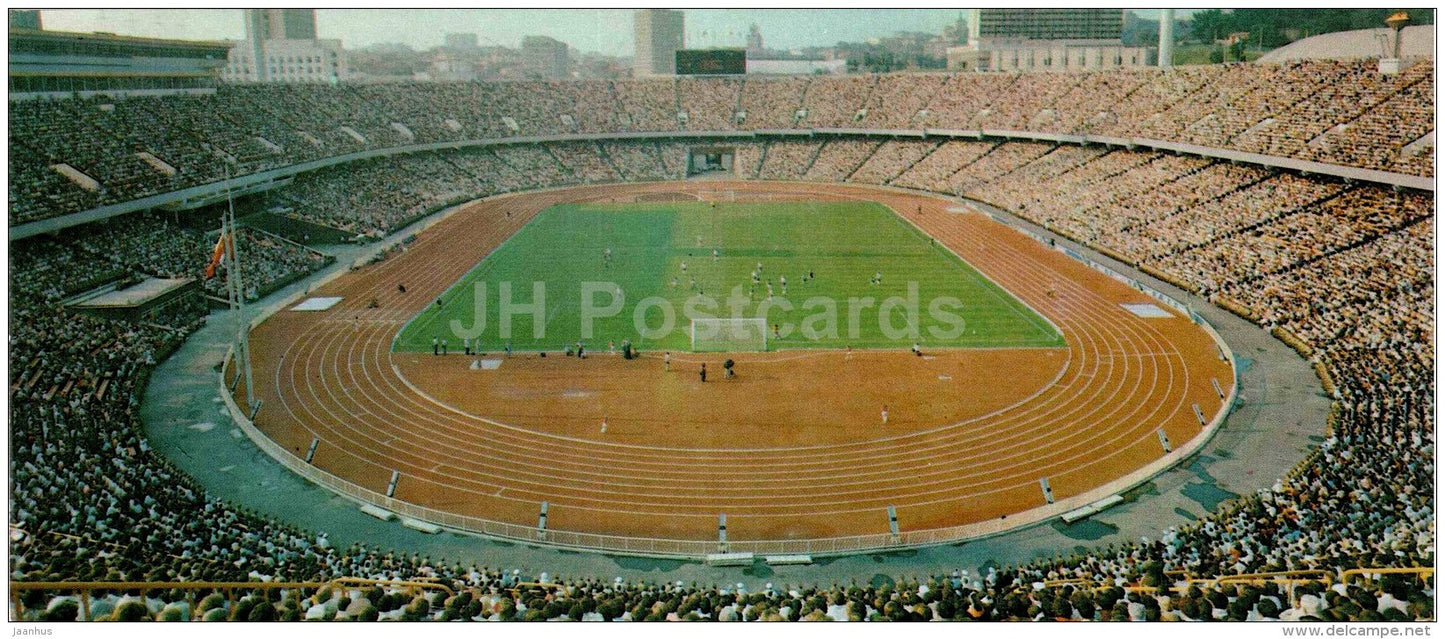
216	255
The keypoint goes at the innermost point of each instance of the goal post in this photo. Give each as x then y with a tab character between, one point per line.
729	334
728	195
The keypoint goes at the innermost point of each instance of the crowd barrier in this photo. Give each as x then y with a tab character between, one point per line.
1179	583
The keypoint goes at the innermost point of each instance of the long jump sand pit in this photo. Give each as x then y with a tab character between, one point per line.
792	449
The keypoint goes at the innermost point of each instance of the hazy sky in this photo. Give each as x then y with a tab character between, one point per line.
607	31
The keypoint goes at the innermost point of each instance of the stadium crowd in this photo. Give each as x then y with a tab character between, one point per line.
891	159
771	103
1347	269
933	172
788	159
1328	111
838	159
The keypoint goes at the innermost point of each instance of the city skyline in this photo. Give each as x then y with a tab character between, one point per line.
592	31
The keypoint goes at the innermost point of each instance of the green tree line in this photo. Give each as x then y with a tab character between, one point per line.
1270	28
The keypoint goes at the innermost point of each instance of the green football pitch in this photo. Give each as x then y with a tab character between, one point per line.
662	259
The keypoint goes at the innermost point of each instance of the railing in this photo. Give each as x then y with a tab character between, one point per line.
1262	577
1182	581
85	589
1424	574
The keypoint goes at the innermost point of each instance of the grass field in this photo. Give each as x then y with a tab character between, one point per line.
844	244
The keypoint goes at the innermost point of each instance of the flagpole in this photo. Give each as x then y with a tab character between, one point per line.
236	288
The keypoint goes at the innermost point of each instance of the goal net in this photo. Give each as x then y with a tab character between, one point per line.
718	196
729	334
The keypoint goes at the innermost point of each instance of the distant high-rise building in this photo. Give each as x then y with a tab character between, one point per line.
281	46
461	41
1046	39
755	42
657	36
544	56
451	68
1045	24
956	33
24	19
280	24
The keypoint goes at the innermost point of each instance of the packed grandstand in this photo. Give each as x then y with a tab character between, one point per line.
1341	269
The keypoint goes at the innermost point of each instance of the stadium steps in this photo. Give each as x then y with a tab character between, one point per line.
1051	106
1178	128
737	103
954	183
1409	222
1129	98
1131	195
975	121
677	106
1345	125
916	119
607	159
1179	210
523	170
1110	176
1363	109
1256	224
247	152
661	166
802	100
1279	115
616	99
448	158
992	178
813	160
859	165
889	180
1038	159
566	170
867	99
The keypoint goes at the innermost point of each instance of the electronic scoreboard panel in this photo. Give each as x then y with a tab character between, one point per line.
711	62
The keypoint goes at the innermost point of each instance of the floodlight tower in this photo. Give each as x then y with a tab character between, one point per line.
1166	38
236	291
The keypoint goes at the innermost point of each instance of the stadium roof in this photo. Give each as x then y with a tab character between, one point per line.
16	33
1416	42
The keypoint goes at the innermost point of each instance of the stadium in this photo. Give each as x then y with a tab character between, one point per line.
1120	344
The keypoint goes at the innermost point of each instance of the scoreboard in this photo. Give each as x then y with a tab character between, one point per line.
711	62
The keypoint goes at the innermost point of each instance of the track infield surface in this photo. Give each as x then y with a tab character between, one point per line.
632	456
597	263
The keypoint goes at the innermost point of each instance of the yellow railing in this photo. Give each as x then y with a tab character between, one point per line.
1181	583
1425	573
1181	580
358	582
1286	575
